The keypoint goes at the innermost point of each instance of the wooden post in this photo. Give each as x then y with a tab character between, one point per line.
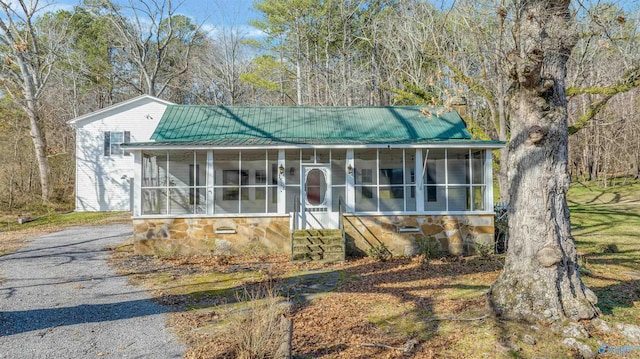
286	324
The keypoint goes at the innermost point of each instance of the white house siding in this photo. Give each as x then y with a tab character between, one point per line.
103	183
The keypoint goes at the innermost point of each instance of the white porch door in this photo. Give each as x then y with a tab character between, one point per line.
316	206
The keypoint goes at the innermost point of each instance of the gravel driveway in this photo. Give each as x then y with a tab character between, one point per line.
59	299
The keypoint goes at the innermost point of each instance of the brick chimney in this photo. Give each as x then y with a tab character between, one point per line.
459	103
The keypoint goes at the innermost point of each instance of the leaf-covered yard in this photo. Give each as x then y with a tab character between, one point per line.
336	309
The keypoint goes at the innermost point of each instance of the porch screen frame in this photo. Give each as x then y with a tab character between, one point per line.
165	189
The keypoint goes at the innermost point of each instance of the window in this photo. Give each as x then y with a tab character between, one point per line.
432	193
240	183
112	142
367	176
454	180
261	176
173	182
194	181
385	180
434	179
367	179
230	178
292	160
391	190
338	176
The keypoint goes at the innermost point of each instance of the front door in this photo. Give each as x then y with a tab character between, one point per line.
316	209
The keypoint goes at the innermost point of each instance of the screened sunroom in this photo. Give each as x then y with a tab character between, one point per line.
278	181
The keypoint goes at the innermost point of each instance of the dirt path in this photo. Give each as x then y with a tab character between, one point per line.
59	299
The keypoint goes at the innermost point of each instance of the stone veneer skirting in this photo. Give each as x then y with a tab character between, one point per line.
403	235
406	235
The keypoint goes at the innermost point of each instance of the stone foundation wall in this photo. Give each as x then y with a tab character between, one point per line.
402	235
208	236
406	235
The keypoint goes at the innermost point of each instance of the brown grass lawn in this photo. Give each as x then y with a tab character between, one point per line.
393	302
338	308
375	302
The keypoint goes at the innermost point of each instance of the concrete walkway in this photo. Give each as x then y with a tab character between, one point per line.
59	299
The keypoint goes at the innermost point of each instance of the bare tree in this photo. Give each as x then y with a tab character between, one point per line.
223	59
29	56
540	281
157	41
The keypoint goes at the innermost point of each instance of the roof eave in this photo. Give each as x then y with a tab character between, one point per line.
443	144
101	111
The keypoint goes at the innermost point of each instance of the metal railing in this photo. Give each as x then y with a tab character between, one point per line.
501	227
341	227
294	221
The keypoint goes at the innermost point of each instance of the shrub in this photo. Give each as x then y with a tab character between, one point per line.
222	247
258	331
379	252
606	248
483	249
426	248
165	249
583	265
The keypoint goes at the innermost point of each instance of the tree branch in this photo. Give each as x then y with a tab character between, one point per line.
631	81
378	345
457	319
591	113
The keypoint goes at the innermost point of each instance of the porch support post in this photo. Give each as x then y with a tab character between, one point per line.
350	193
137	183
210	179
488	180
419	181
282	189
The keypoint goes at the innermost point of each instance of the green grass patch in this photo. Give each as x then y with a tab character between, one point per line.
63	220
12	234
463	291
400	320
606	226
592	194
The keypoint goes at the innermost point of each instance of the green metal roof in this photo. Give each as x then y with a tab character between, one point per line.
230	125
312	125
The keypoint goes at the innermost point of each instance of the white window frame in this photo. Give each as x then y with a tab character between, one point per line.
108	151
166	188
420	184
270	188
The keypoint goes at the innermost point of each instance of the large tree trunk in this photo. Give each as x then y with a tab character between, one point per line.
540	281
40	147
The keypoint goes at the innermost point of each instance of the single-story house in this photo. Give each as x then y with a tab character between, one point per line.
207	179
245	179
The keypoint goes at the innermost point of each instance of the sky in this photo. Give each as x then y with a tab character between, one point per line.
213	14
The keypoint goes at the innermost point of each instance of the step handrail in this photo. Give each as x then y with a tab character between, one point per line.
294	220
341	227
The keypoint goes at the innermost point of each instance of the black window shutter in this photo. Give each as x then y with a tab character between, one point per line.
107	143
127	139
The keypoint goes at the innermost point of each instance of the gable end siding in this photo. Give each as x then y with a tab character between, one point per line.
103	181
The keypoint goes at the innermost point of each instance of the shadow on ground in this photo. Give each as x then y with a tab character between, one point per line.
15	322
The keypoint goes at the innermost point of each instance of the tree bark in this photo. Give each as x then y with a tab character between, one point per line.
40	147
34	63
540	281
